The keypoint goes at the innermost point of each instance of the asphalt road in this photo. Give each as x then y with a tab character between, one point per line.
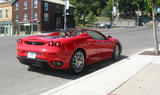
134	39
18	79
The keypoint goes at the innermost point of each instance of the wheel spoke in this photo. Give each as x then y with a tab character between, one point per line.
78	62
116	52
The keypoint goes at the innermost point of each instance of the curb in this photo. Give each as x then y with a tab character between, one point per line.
106	80
128	29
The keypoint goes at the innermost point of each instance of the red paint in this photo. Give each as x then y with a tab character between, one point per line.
62	48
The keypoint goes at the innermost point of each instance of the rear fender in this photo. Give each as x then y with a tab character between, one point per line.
115	41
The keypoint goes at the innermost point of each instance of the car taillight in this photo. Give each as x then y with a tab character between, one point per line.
19	41
52	43
58	44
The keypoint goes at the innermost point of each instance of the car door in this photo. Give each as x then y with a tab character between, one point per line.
106	46
102	45
91	50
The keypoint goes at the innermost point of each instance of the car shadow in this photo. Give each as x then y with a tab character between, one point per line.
89	69
102	64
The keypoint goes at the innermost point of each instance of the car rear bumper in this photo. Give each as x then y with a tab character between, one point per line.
35	62
25	60
53	63
51	56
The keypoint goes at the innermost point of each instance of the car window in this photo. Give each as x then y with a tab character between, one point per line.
96	35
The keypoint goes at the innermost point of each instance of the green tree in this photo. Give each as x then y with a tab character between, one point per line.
97	6
77	16
84	7
152	4
91	17
145	5
107	11
141	4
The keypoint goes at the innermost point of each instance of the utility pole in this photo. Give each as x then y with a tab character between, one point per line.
138	15
112	12
66	7
117	13
155	27
32	18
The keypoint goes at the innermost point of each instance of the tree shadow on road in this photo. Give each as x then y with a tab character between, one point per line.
89	69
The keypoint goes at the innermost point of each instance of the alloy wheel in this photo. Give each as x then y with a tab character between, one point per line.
78	61
116	52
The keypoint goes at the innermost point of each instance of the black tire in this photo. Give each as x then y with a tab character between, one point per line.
31	66
77	62
116	52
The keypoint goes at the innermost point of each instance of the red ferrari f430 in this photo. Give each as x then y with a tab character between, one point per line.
69	50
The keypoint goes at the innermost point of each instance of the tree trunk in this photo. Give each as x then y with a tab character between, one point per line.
155	27
84	18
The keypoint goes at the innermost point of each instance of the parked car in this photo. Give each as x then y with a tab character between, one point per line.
104	26
70	50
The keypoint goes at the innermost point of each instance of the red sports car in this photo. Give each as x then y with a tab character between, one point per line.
70	50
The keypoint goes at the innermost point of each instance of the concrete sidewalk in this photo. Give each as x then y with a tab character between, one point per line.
106	80
146	82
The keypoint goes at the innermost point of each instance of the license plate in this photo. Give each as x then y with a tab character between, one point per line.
31	55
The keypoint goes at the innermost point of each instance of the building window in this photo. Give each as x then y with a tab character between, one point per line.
2	30
35	16
16	7
46	17
35	3
25	4
58	22
46	6
35	28
57	6
6	13
16	17
1	13
25	17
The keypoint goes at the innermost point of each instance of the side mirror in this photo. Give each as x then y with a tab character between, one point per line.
109	37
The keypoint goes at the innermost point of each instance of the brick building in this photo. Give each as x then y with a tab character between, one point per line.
5	17
42	15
